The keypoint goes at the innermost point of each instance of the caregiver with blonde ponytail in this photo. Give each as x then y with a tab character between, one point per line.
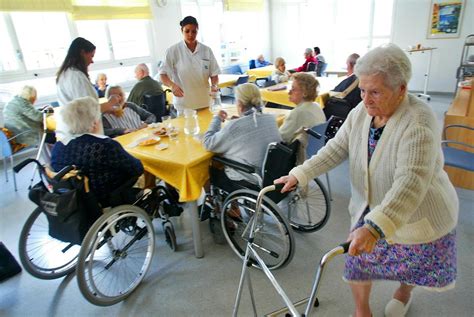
244	139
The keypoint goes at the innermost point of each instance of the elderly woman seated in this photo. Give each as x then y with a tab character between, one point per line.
22	119
280	74
125	117
102	159
244	139
307	113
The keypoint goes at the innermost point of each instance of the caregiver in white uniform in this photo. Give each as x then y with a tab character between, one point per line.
187	68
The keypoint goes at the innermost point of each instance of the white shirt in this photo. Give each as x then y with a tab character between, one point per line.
72	84
191	71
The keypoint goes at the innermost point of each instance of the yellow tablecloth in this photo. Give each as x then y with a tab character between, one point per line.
261	72
281	96
184	164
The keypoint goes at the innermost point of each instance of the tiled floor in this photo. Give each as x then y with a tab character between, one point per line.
178	284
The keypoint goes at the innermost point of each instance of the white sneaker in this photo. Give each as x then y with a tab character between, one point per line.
396	308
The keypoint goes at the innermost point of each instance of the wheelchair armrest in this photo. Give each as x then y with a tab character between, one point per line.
234	164
447	142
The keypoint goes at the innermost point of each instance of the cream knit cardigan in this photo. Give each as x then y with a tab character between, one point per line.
409	194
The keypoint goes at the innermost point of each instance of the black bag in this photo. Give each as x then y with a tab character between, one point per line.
8	265
334	106
70	208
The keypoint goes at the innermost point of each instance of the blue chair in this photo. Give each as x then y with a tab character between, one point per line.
454	156
319	136
241	80
7	152
321	68
234	69
252	64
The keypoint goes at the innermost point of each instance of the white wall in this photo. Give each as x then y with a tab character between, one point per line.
410	27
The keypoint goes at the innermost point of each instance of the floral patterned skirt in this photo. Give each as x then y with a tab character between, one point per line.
432	264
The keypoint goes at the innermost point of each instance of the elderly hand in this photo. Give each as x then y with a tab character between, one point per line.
177	91
290	183
362	241
222	115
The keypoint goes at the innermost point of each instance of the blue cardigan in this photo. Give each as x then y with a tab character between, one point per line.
103	160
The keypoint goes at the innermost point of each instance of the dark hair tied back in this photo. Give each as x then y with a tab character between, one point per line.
189	20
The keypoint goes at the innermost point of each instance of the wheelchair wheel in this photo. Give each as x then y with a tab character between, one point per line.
273	241
42	255
115	255
308	211
170	236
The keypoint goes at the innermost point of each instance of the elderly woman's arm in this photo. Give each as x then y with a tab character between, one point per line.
331	155
289	126
416	161
123	162
145	116
215	139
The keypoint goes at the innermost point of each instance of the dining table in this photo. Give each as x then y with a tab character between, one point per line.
261	72
278	94
182	163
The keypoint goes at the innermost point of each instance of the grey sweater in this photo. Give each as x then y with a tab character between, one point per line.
242	141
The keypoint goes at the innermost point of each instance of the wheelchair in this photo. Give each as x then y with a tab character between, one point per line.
234	202
114	248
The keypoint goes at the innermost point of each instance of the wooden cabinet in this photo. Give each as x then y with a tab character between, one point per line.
461	111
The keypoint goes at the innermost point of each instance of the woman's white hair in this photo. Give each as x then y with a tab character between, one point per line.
248	95
80	115
28	92
387	60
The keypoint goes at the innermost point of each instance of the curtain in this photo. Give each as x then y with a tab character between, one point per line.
110	9
84	9
243	5
36	5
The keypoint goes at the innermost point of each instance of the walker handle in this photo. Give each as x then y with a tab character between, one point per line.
345	246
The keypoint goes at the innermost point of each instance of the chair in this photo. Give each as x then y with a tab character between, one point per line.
252	64
241	80
233	69
321	68
7	152
156	104
455	156
311	67
320	135
336	107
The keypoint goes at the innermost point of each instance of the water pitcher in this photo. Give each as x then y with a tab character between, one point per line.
191	124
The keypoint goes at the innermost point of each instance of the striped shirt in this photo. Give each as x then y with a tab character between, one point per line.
129	120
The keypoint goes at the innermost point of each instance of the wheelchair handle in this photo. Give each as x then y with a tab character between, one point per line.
63	172
20	165
313	133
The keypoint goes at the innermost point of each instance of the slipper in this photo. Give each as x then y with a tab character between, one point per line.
396	308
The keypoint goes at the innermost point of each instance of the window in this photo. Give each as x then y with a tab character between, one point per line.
346	26
32	55
8	60
232	35
45	44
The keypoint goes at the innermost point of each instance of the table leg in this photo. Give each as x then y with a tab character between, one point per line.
195	222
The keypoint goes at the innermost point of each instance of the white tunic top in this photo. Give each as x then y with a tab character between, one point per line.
72	84
191	71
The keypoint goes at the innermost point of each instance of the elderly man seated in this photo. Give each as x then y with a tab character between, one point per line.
353	97
125	117
145	86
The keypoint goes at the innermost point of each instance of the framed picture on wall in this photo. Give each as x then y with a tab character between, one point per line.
445	18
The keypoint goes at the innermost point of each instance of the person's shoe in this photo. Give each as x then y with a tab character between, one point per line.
396	308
